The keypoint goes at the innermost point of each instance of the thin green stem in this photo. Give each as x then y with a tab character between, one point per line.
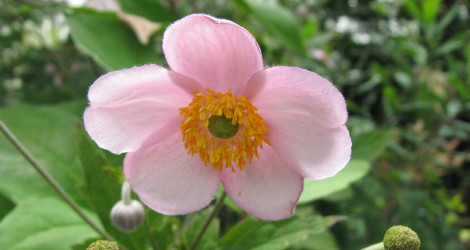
51	181
214	213
148	229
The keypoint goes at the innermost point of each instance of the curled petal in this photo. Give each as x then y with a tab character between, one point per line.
305	115
267	189
129	105
168	180
217	53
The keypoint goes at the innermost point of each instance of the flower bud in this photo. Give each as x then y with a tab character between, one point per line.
127	215
401	238
103	245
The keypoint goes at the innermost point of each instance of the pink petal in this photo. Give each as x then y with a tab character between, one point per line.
305	116
291	89
168	180
313	151
129	105
217	53
267	188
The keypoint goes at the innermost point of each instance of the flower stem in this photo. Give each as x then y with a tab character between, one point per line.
126	193
148	229
51	181
214	213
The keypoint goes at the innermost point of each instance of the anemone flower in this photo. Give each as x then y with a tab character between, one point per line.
219	117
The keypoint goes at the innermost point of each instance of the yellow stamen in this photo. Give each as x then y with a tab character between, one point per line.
240	148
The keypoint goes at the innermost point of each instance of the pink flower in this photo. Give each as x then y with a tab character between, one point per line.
219	117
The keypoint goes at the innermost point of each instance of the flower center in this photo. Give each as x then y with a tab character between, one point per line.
224	129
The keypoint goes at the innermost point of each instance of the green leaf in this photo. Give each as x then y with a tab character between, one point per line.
430	10
6	206
467	56
103	191
413	8
108	40
460	85
279	21
162	228
456	42
193	226
247	234
321	241
316	189
48	132
435	31
263	235
150	9
310	29
417	51
390	99
44	223
370	145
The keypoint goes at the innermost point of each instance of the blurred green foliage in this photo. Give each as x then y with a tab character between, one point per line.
403	66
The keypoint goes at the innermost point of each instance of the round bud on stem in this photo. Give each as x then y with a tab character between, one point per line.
127	215
401	238
103	245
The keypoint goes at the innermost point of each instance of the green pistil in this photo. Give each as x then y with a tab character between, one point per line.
222	127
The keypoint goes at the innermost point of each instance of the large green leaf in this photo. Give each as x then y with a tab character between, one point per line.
162	228
320	241
430	10
194	224
316	189
279	21
435	31
457	42
103	191
370	145
6	206
48	132
108	40
44	223
255	234
413	7
150	9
